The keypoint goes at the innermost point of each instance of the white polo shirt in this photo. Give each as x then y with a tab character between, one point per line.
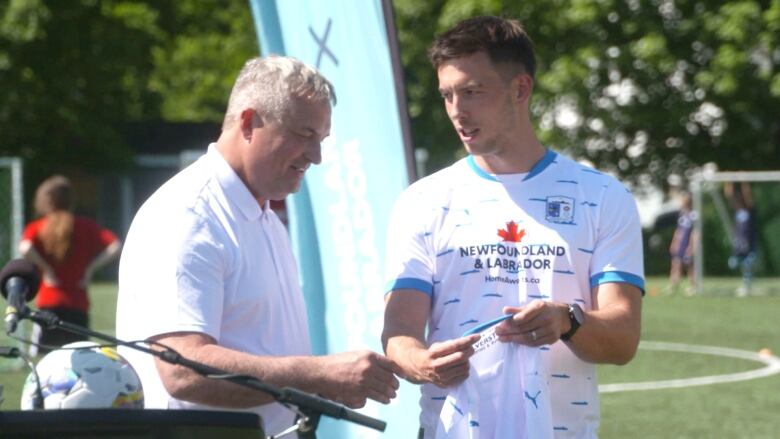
202	256
476	242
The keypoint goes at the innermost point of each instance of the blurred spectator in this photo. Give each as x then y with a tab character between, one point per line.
68	249
683	245
743	241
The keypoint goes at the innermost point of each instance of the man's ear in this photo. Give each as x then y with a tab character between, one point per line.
524	85
249	120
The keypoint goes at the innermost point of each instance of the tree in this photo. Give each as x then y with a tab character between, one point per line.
206	44
70	74
74	74
647	89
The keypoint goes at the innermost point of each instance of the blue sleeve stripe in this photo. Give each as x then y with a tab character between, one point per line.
410	283
617	276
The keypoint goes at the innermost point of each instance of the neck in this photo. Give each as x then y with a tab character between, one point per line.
517	158
230	148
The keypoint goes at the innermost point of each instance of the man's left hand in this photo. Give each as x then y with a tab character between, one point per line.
535	324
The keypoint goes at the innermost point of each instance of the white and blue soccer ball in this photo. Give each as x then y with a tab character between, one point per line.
87	377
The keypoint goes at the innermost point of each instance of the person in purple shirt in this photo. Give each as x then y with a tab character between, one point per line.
681	249
744	238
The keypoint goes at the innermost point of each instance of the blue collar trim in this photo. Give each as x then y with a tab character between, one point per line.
479	171
540	166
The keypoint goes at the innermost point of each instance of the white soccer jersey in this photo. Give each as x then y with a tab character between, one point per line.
477	242
506	395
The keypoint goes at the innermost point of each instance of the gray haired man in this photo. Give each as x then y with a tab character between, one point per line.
208	269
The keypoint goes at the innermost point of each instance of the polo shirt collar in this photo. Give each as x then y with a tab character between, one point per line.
235	190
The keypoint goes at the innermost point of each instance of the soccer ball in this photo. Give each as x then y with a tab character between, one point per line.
87	377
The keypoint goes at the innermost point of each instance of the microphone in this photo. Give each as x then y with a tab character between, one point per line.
19	282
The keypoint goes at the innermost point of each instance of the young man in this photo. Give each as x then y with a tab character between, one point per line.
514	228
208	270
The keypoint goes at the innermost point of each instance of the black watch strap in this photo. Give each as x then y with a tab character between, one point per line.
575	318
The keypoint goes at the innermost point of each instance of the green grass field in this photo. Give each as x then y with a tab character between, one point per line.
102	312
745	409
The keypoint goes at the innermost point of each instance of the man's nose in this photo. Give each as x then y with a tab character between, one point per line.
457	108
314	153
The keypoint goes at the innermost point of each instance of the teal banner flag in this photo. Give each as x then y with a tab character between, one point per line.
339	218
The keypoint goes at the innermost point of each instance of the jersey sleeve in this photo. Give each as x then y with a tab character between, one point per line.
617	256
408	264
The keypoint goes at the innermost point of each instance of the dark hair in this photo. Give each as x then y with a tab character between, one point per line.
504	41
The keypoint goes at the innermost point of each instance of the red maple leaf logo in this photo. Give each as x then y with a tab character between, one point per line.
511	234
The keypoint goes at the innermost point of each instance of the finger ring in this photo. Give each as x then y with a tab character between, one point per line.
533	335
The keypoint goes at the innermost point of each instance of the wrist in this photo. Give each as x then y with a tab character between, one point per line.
407	353
417	373
575	317
564	316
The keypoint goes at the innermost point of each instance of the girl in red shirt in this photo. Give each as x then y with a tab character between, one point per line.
68	249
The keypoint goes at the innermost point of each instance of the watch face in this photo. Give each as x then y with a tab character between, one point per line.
577	313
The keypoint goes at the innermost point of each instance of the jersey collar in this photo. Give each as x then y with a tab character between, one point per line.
540	166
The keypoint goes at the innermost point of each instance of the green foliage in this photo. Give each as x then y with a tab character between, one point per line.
195	67
66	81
655	87
74	73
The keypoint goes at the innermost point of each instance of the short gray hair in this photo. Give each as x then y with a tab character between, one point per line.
267	85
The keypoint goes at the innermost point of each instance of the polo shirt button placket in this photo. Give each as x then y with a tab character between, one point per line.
265	224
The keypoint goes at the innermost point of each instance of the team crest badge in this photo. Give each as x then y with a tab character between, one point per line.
560	210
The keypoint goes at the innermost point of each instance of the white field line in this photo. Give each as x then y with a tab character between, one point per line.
772	366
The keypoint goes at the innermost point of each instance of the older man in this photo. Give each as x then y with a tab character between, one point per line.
208	270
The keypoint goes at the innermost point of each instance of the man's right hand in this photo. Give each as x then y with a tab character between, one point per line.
352	377
445	363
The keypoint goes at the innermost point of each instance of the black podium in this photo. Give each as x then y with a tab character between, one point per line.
127	423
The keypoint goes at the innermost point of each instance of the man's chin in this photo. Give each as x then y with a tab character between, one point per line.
473	148
287	192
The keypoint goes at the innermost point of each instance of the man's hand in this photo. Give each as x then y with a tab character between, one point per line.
352	377
349	378
535	324
446	363
609	335
443	364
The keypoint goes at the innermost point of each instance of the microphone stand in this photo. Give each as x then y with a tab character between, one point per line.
309	405
37	397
